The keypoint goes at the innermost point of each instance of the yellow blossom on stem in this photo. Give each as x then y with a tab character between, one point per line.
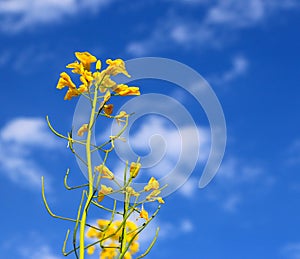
134	169
103	80
86	79
134	247
77	67
102	223
86	59
115	67
105	172
106	96
144	214
153	196
72	92
91	250
104	191
131	191
121	115
160	200
82	130
92	233
65	80
124	90
98	65
108	253
153	184
127	255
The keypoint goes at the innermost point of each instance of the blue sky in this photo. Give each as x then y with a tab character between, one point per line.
249	53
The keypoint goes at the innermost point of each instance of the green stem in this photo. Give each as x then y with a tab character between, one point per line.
90	176
125	216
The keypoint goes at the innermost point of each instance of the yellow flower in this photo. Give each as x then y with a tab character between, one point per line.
153	197
144	214
121	115
82	130
64	81
131	191
91	250
112	237
106	96
105	172
134	247
103	81
86	59
104	191
153	194
98	65
134	169
115	67
124	90
77	67
127	255
86	78
108	109
131	226
153	184
160	200
108	253
92	233
71	93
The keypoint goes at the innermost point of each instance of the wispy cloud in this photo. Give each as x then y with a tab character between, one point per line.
19	139
32	247
17	15
218	26
231	203
239	67
292	153
234	183
42	252
291	251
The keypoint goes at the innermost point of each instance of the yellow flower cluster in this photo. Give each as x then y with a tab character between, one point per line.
153	185
109	237
82	66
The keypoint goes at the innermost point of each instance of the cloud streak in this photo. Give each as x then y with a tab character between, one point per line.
18	15
19	139
220	23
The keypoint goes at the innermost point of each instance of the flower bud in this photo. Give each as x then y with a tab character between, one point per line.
134	169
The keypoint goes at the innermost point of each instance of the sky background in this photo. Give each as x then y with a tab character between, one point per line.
249	53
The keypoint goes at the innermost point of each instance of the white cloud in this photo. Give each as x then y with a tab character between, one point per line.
236	13
32	246
18	139
189	188
41	252
219	24
18	15
238	68
291	251
292	153
235	183
28	131
234	171
186	226
231	203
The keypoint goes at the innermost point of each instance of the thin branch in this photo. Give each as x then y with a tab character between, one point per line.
150	246
73	187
